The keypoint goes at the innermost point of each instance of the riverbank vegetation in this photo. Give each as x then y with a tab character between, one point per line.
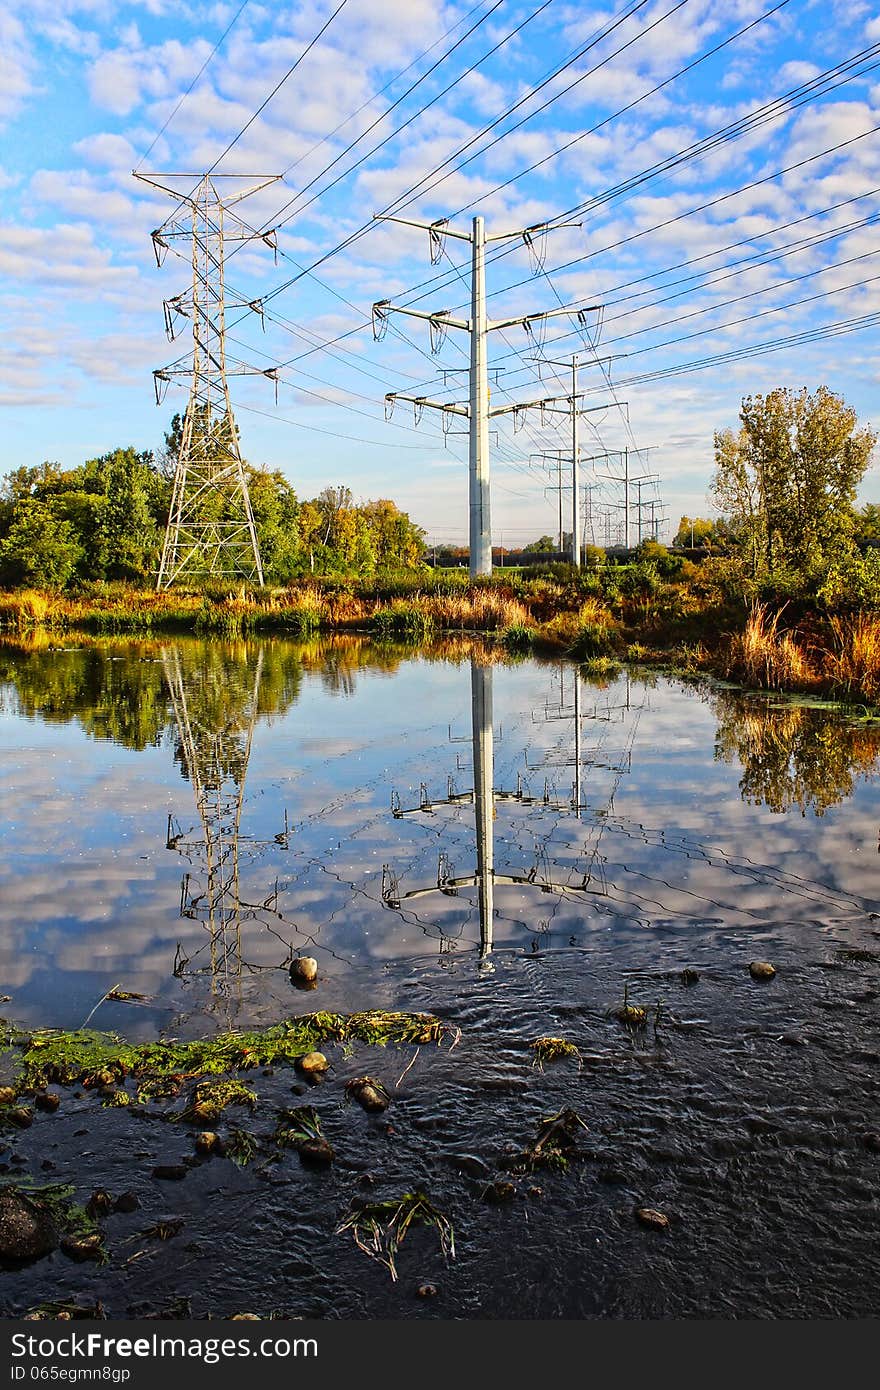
781	592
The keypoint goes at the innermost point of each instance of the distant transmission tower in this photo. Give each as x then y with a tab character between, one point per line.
210	530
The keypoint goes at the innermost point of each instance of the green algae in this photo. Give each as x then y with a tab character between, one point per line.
93	1059
210	1099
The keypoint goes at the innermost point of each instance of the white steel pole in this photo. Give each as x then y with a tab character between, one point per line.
575	469
480	533
484	802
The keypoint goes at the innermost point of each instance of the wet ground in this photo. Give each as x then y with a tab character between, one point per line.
698	831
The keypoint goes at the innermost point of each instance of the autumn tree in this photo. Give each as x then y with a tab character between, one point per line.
787	480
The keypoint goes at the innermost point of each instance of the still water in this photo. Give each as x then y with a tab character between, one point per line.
181	819
509	845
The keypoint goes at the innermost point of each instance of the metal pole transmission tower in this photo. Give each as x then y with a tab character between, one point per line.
210	529
477	411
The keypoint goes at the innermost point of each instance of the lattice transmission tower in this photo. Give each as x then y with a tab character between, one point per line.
215	709
210	529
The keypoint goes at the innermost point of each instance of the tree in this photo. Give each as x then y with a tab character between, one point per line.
868	524
39	548
695	531
545	545
787	481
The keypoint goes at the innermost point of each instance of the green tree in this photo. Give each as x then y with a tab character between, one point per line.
275	516
127	530
39	548
695	531
868	523
788	479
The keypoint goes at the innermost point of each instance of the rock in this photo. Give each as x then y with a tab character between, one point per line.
369	1093
303	971
27	1231
8	1095
427	1291
48	1101
316	1152
653	1219
207	1142
22	1116
689	976
126	1201
469	1163
170	1172
312	1064
794	1040
761	970
246	1317
83	1248
100	1203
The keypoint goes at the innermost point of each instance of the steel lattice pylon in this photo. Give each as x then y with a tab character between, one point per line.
210	530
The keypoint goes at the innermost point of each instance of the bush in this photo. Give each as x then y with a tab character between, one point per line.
852	583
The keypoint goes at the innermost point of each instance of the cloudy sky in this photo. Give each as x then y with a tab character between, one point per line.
721	162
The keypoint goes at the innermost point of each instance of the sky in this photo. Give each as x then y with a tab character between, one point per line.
710	171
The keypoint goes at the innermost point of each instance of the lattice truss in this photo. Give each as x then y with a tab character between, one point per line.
210	530
215	725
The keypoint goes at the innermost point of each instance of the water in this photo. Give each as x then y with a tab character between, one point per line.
509	846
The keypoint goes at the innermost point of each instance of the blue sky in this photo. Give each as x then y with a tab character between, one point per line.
91	89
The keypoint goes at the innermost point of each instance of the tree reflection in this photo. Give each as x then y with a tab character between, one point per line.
797	756
120	692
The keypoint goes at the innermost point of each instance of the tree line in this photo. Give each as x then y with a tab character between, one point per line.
105	520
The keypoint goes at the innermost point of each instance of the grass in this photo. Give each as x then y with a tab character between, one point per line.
764	656
696	617
853	664
211	1098
380	1228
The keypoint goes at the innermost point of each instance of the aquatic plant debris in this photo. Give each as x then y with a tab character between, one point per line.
552	1050
241	1147
89	1058
210	1099
555	1143
380	1228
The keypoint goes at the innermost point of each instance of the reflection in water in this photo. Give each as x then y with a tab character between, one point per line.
639	824
215	709
486	798
794	756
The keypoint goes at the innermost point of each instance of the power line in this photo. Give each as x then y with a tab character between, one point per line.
192	84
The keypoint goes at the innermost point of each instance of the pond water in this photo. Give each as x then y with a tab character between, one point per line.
510	845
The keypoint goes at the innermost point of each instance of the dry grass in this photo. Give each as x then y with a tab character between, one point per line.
477	610
763	656
27	608
853	666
